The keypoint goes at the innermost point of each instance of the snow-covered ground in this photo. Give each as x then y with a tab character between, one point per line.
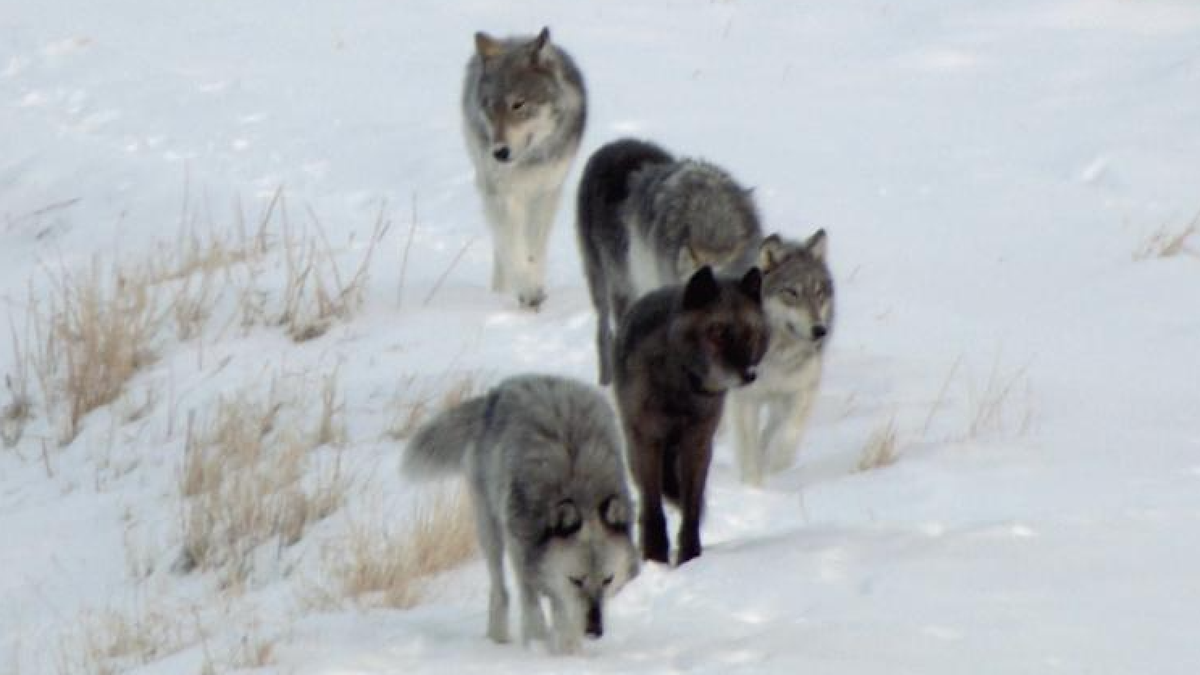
990	174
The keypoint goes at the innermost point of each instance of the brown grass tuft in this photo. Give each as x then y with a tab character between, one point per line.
115	641
388	566
881	448
243	483
1168	242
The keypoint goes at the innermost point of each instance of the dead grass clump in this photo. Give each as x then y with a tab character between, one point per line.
1168	242
115	641
881	448
92	336
412	411
246	482
387	567
1002	406
316	292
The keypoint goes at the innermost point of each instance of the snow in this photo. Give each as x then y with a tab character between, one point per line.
987	173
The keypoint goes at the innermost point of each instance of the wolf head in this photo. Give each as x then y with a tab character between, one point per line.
591	556
797	286
721	331
517	93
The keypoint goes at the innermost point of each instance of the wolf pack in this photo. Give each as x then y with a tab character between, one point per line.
702	321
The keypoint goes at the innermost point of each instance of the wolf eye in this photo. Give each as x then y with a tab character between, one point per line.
578	581
790	294
607	580
518	104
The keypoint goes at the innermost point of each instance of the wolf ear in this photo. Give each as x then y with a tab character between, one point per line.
614	513
818	244
565	520
701	290
487	46
537	48
770	252
751	284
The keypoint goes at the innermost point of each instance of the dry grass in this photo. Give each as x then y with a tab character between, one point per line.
1168	242
383	566
94	333
114	641
1002	406
246	482
316	292
881	449
410	411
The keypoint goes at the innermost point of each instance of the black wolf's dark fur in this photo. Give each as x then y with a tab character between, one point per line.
678	350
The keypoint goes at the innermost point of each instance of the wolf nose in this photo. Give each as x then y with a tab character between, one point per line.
819	331
749	376
501	153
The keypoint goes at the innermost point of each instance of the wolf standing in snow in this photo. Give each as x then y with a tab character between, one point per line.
524	109
678	350
798	296
646	220
542	457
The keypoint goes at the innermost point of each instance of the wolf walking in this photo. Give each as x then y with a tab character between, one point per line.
678	350
645	220
769	416
542	457
524	110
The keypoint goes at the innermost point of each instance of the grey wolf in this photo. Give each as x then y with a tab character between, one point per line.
769	416
645	220
678	350
524	109
542	459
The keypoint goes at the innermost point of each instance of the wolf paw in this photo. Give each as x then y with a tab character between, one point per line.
532	299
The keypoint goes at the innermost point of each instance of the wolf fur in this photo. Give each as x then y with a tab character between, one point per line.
646	220
678	350
542	458
769	416
524	110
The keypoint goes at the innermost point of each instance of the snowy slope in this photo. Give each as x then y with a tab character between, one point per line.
988	173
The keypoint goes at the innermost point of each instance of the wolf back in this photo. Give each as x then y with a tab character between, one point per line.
645	219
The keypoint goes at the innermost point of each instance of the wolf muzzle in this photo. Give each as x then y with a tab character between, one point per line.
595	622
749	374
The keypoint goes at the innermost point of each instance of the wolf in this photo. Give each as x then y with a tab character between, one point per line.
678	350
645	219
798	297
542	458
524	110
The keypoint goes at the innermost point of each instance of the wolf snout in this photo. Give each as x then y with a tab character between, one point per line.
502	153
819	331
595	625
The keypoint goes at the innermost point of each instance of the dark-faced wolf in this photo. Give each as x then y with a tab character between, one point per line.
768	417
542	458
678	350
524	110
646	220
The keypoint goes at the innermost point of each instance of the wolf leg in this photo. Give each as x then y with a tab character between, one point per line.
491	540
538	222
789	416
744	414
533	621
695	454
646	462
504	217
567	631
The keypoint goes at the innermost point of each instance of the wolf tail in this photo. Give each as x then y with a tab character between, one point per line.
440	445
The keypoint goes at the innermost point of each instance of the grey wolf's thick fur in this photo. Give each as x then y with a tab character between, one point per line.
678	350
524	110
769	416
647	220
542	458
